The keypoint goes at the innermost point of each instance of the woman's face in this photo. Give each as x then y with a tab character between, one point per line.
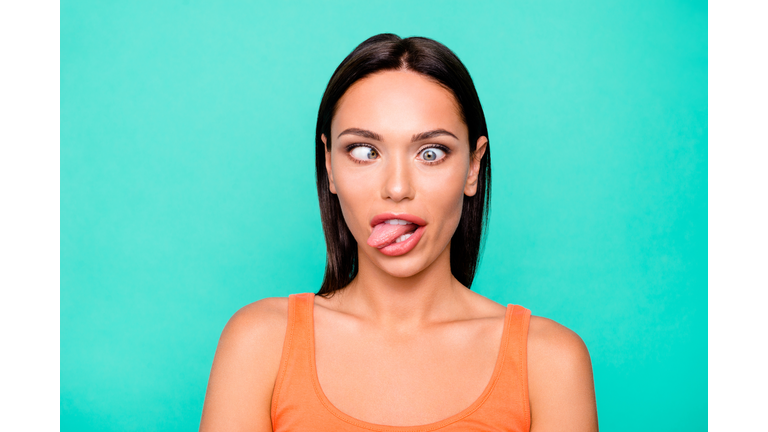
400	165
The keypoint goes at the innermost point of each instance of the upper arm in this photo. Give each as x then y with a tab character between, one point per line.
244	369
560	384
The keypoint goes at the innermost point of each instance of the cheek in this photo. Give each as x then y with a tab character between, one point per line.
444	196
355	194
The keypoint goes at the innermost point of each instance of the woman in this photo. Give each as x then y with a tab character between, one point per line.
394	340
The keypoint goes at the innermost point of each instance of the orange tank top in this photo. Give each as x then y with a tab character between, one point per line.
299	404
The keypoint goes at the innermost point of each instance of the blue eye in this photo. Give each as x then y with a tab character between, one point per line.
364	153
432	154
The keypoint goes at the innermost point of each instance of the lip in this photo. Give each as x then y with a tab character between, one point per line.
405	246
402	216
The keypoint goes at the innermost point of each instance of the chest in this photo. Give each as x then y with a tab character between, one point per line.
405	379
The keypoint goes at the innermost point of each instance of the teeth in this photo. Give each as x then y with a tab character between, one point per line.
397	222
403	237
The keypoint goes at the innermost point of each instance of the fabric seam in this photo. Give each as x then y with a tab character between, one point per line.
285	356
524	367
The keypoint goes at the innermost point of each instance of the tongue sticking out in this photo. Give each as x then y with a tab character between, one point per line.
384	234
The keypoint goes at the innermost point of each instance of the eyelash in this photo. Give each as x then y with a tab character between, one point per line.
445	149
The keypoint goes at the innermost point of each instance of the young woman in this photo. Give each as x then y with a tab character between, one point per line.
395	340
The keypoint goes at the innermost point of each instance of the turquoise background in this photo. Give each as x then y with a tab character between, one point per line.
187	186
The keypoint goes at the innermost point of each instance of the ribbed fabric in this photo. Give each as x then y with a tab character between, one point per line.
299	404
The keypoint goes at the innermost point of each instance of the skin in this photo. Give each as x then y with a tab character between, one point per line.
405	330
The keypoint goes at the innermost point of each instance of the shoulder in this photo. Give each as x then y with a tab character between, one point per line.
256	332
254	335
258	328
258	320
555	345
560	383
245	367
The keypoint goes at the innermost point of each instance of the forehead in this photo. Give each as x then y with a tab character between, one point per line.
398	102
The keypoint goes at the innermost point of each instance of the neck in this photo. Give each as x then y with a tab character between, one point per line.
402	303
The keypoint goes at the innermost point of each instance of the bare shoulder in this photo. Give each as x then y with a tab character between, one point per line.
255	334
554	345
560	384
256	330
261	320
244	368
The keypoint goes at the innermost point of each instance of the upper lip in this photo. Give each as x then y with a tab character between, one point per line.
402	216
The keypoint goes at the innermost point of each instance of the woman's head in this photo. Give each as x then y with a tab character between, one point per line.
401	130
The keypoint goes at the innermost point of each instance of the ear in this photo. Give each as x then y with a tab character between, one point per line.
470	188
331	186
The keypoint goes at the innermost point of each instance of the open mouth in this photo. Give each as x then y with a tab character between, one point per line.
391	231
395	235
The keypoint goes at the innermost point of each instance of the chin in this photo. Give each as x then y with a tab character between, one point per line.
401	267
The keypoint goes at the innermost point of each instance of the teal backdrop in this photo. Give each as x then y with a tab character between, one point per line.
187	186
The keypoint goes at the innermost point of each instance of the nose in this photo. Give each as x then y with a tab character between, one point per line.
398	181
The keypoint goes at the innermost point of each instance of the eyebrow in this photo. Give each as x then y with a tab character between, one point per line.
417	137
431	134
361	132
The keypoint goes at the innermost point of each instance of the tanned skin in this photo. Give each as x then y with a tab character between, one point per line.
405	331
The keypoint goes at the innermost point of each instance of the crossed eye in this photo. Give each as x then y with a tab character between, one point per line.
364	153
429	154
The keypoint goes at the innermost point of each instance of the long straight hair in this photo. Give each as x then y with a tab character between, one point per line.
430	58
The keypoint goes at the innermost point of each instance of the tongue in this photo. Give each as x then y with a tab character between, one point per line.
384	234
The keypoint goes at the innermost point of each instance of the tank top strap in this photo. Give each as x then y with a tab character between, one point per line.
301	306
509	396
295	364
517	321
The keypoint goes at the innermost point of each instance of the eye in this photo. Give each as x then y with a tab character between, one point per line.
432	154
364	153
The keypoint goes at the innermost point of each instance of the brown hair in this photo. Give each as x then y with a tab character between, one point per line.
428	57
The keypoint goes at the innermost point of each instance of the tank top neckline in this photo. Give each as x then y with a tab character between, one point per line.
414	428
